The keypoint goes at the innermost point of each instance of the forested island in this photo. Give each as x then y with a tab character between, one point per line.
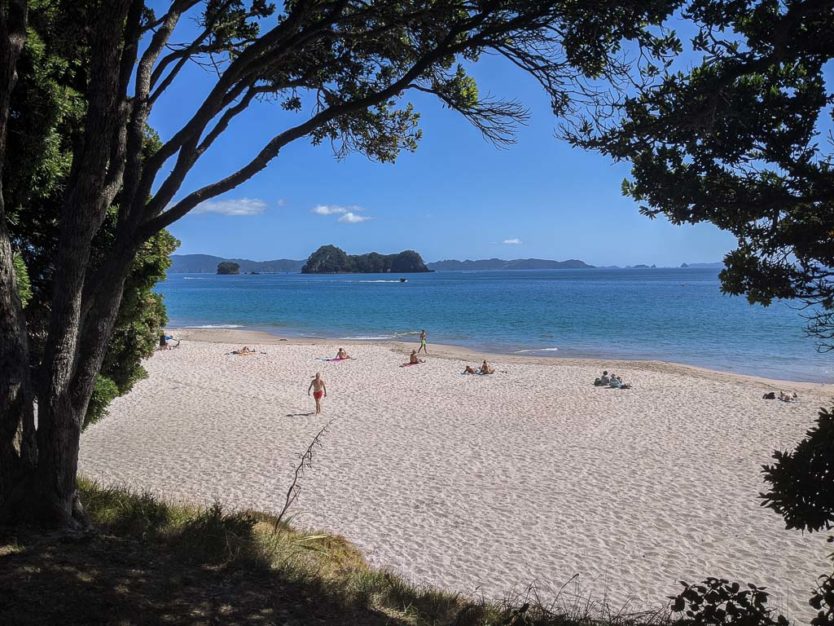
332	260
228	267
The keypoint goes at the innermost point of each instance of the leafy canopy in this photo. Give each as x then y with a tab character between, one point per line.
742	141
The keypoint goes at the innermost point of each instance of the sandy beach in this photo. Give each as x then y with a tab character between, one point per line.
480	484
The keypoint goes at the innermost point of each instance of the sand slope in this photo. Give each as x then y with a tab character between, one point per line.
481	484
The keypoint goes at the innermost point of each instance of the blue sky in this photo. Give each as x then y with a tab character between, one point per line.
457	196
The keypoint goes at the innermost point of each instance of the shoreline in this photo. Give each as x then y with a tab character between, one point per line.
453	352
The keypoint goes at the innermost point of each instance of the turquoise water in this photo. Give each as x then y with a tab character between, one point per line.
670	314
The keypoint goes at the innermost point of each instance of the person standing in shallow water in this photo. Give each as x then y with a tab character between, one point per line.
319	391
422	343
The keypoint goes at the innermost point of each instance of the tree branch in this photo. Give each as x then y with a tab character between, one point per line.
271	150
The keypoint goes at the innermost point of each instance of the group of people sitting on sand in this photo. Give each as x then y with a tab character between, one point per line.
611	380
485	368
784	397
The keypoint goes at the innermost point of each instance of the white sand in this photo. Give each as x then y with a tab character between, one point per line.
481	484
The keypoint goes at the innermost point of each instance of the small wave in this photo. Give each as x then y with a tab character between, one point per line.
376	281
537	350
194	278
217	326
371	337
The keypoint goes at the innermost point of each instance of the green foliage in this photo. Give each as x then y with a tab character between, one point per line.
739	141
332	260
228	267
24	285
142	315
802	481
103	394
718	602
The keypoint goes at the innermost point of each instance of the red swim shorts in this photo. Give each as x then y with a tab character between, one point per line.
318	394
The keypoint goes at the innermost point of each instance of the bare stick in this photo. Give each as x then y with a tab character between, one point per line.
305	462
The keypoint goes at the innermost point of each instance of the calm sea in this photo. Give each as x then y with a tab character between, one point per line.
670	314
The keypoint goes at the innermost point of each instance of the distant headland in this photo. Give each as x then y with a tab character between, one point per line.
330	259
516	264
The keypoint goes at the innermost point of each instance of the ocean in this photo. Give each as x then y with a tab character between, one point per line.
677	315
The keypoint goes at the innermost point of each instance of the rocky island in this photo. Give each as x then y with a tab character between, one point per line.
333	260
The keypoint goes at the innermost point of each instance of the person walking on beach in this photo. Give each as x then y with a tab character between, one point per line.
422	342
319	391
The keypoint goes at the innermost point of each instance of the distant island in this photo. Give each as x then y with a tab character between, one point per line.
501	264
332	260
228	267
207	264
715	265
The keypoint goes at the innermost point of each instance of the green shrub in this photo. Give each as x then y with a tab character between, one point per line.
103	394
718	602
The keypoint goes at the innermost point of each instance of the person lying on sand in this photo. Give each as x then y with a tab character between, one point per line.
785	397
470	370
486	368
244	351
319	390
412	359
166	342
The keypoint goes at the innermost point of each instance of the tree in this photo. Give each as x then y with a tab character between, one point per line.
47	112
228	267
340	66
739	141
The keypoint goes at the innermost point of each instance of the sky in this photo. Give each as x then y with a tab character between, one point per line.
456	197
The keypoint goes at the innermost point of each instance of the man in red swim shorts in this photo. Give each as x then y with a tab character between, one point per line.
319	391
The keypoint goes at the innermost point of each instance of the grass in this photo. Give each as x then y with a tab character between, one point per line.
151	562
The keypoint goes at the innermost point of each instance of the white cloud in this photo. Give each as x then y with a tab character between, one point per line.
352	218
512	242
241	206
347	213
328	209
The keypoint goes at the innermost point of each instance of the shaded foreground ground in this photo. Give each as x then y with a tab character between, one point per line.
149	562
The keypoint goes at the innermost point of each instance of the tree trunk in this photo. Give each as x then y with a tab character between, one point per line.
18	453
44	490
